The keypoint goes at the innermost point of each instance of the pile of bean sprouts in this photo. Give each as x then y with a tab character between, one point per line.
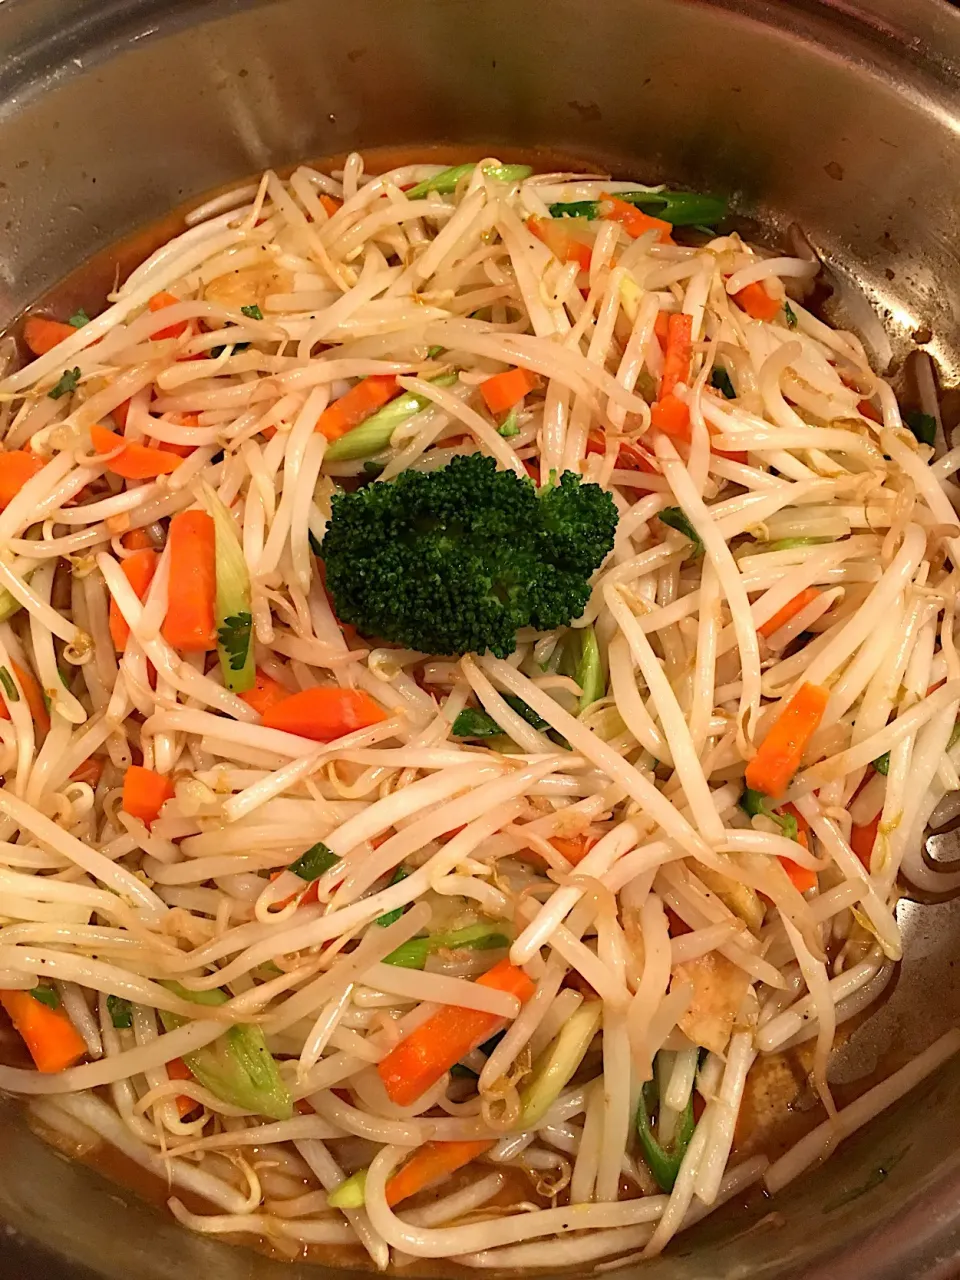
651	773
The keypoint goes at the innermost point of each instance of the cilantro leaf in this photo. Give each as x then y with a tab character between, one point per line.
235	636
68	382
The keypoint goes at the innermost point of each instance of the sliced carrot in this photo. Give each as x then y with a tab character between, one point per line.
330	205
362	400
177	1069
90	771
41	334
137	540
145	792
634	221
555	233
265	694
789	610
430	1163
868	411
504	390
782	749
53	1040
676	356
17	466
135	461
756	302
671	416
862	839
189	625
324	713
661	327
421	1058
802	878
573	848
138	569
181	450
631	457
159	302
34	698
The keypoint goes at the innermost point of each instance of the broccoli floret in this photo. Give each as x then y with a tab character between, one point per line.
457	560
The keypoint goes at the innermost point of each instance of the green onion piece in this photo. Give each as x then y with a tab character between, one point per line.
373	436
253	312
233	617
589	674
790	315
390	917
520	707
675	519
68	382
509	427
923	426
446	181
475	937
882	763
351	1193
312	864
79	318
47	995
9	688
557	1064
474	723
575	209
682	208
508	172
238	1067
121	1012
664	1162
433	352
720	379
789	544
755	802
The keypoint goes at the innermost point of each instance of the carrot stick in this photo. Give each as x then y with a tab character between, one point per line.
158	302
17	466
634	221
504	390
90	771
661	327
789	610
676	356
756	302
421	1057
324	713
564	246
782	749
362	400
34	698
265	694
138	569
631	456
135	461
189	624
573	848
431	1162
802	878
862	840
671	416
330	204
41	334
177	1069
53	1040
145	793
137	540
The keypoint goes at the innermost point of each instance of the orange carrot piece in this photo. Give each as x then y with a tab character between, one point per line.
120	414
145	793
135	461
429	1163
802	878
362	400
756	302
782	749
53	1040
34	698
862	839
265	694
676	356
573	848
137	540
504	390
631	457
90	771
41	334
138	569
661	328
671	416
634	221
421	1058
181	450
330	204
159	302
867	409
189	625
324	713
789	610
564	246
17	466
177	1069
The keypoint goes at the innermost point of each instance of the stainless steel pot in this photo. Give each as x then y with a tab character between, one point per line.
844	116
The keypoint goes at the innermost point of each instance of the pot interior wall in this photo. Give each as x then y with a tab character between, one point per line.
112	114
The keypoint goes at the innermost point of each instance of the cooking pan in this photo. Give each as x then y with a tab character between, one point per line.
843	116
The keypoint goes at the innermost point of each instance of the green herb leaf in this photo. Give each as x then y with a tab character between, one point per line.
373	469
923	426
790	315
253	311
391	917
217	352
9	688
234	637
720	379
47	995
232	605
68	383
882	763
79	319
120	1011
509	427
474	723
756	803
675	519
312	864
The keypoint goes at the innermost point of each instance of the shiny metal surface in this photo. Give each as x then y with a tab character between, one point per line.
843	116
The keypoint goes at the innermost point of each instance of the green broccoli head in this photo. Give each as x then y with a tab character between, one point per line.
458	560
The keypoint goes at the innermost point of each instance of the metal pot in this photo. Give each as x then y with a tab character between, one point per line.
845	117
